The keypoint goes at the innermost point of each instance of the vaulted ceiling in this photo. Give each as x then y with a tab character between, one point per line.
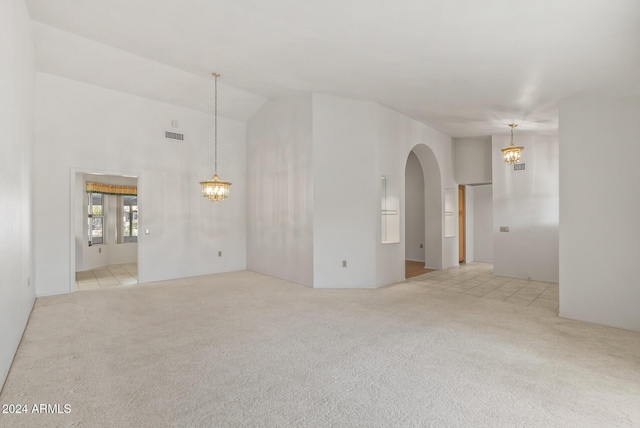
464	67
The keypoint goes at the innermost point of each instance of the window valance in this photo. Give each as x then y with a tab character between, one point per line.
112	189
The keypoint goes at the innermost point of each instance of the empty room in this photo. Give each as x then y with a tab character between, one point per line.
339	213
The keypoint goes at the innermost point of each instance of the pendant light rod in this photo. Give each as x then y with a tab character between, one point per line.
215	189
215	124
512	125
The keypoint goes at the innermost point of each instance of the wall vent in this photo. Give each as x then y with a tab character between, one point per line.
173	135
518	167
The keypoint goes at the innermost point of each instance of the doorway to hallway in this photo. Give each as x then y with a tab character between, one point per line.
423	209
414	217
413	269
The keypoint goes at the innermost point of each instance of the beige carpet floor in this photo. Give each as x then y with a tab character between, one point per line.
247	350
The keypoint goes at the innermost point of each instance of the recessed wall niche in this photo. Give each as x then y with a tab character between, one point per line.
449	212
390	218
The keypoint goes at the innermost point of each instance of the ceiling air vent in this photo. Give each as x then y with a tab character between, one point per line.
518	167
174	135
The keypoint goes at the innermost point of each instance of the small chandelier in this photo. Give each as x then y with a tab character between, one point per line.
512	153
215	189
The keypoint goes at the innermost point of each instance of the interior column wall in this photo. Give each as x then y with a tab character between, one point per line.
346	193
280	205
17	94
599	203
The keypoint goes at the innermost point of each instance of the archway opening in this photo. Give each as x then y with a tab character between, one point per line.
423	211
414	219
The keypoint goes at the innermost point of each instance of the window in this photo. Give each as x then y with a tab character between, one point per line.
130	218
96	218
112	215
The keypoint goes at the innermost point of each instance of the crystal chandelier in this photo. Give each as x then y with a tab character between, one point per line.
512	153
215	188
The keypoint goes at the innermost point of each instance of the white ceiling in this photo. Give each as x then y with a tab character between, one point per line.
464	67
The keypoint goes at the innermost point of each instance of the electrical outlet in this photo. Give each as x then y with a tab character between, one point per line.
344	263
421	246
99	250
504	228
219	253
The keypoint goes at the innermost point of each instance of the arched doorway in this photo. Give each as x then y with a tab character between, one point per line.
423	207
414	220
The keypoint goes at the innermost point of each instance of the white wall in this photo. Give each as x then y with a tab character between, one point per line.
280	190
470	255
600	232
414	210
482	223
346	192
353	144
17	82
356	143
528	203
110	252
473	160
300	223
80	126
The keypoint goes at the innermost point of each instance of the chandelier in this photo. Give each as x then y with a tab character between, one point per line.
512	153
215	189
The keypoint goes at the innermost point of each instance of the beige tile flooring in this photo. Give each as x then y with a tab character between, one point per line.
475	278
107	277
478	280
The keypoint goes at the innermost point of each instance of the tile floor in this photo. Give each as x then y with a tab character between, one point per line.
478	279
107	277
475	278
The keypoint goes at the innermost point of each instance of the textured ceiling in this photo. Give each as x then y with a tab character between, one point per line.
464	67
